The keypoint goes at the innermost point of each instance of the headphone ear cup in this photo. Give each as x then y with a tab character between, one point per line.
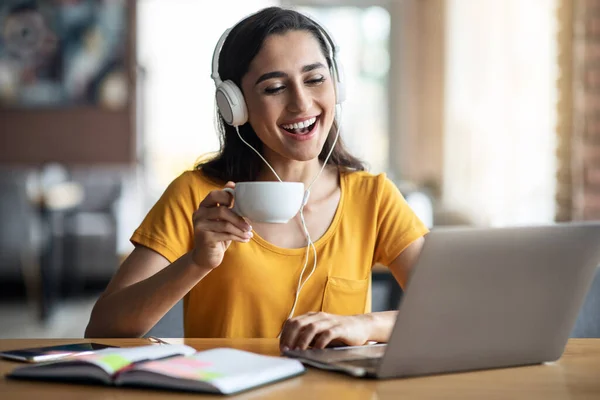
231	103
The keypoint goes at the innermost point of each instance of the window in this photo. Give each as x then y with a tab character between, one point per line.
176	40
362	34
501	98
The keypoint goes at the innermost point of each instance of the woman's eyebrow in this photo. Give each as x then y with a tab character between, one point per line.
279	74
269	75
310	67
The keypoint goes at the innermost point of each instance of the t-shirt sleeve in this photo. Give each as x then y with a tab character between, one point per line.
167	228
397	225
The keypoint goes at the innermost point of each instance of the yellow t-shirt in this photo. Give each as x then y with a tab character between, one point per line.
251	293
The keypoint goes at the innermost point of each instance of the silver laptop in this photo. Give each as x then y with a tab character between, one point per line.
481	298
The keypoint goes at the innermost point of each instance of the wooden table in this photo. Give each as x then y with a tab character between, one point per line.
575	376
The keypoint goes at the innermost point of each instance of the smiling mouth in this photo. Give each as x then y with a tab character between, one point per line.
301	128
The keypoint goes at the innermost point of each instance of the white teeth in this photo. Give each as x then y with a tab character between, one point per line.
301	125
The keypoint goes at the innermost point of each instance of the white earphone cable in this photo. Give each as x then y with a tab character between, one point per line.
310	242
302	220
337	135
237	129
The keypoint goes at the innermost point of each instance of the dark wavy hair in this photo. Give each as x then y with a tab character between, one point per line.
235	161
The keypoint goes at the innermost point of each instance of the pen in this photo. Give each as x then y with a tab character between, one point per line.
156	340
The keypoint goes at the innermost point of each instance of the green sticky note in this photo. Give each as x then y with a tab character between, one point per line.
209	376
114	361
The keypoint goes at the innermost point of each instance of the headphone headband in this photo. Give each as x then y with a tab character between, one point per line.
230	99
215	58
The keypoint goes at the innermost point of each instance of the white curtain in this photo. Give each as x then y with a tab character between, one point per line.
500	120
176	39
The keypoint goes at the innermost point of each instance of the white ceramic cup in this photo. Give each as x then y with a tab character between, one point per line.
271	202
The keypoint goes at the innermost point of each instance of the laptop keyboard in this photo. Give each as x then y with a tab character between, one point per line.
363	362
364	357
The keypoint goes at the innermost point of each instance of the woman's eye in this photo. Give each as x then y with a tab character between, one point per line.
273	90
316	81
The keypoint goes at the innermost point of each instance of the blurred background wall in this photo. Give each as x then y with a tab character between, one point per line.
483	112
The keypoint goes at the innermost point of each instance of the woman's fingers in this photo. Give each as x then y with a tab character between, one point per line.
212	223
226	237
224	227
215	226
311	331
221	214
321	329
293	329
216	198
327	336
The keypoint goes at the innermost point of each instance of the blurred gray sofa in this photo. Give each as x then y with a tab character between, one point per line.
50	244
23	234
588	321
171	325
90	230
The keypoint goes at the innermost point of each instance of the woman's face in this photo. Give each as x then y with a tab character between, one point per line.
290	96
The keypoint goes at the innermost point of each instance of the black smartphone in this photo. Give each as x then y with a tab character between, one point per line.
49	353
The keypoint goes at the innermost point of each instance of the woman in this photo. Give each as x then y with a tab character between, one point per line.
239	280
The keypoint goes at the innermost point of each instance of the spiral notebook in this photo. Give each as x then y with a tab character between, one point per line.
174	367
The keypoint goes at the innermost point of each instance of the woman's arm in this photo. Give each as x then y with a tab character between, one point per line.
402	266
141	293
146	287
320	329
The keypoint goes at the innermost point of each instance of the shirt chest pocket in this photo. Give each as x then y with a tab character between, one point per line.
345	296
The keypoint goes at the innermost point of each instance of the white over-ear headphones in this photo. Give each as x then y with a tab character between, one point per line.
232	107
230	99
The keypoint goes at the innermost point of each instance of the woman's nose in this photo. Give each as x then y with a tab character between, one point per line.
300	100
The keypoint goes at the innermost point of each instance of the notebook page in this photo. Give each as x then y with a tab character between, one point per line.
228	370
114	359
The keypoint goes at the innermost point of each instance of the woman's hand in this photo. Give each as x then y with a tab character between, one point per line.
215	226
319	329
